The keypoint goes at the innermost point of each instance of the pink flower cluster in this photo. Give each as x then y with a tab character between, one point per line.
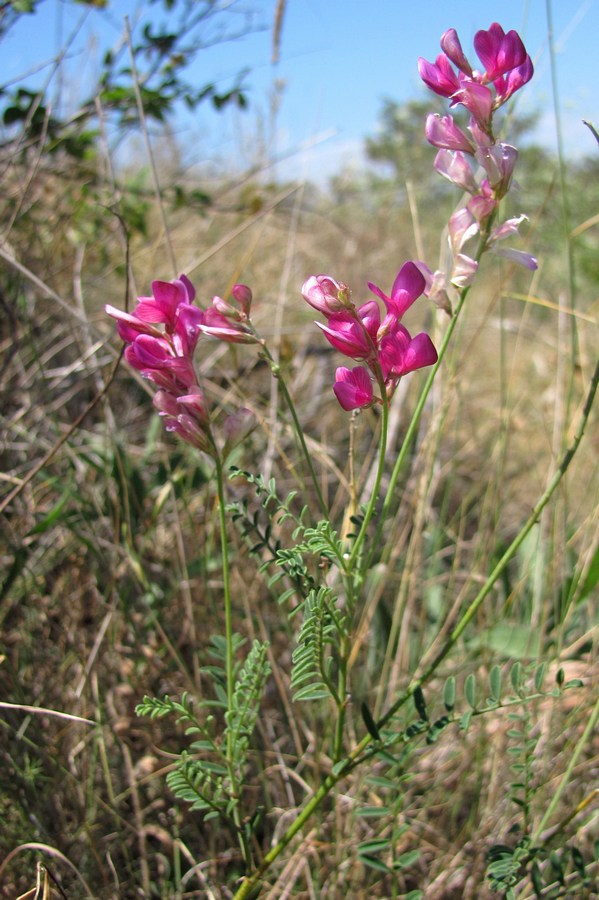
161	337
386	347
508	67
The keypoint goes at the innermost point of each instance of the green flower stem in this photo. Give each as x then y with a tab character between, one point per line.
226	590
414	422
377	482
343	768
247	886
341	699
229	662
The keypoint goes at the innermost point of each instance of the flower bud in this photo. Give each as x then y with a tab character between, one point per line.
242	295
451	46
326	294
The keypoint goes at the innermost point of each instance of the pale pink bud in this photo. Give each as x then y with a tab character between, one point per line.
517	256
455	167
462	227
226	329
326	294
481	137
498	162
166	403
225	309
191	432
508	228
436	287
464	270
194	404
482	206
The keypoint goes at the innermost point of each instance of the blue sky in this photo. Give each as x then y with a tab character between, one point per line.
338	59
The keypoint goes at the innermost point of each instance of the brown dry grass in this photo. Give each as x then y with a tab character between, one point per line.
112	584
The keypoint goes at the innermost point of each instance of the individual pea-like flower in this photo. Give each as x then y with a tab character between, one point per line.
353	388
353	332
407	287
400	353
508	229
442	132
455	167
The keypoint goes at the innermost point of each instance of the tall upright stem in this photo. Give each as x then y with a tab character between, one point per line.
377	481
229	662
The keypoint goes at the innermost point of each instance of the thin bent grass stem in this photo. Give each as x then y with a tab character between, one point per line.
276	371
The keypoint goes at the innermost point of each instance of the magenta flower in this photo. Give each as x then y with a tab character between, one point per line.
407	287
512	82
171	305
499	52
439	76
163	306
400	353
353	388
353	333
